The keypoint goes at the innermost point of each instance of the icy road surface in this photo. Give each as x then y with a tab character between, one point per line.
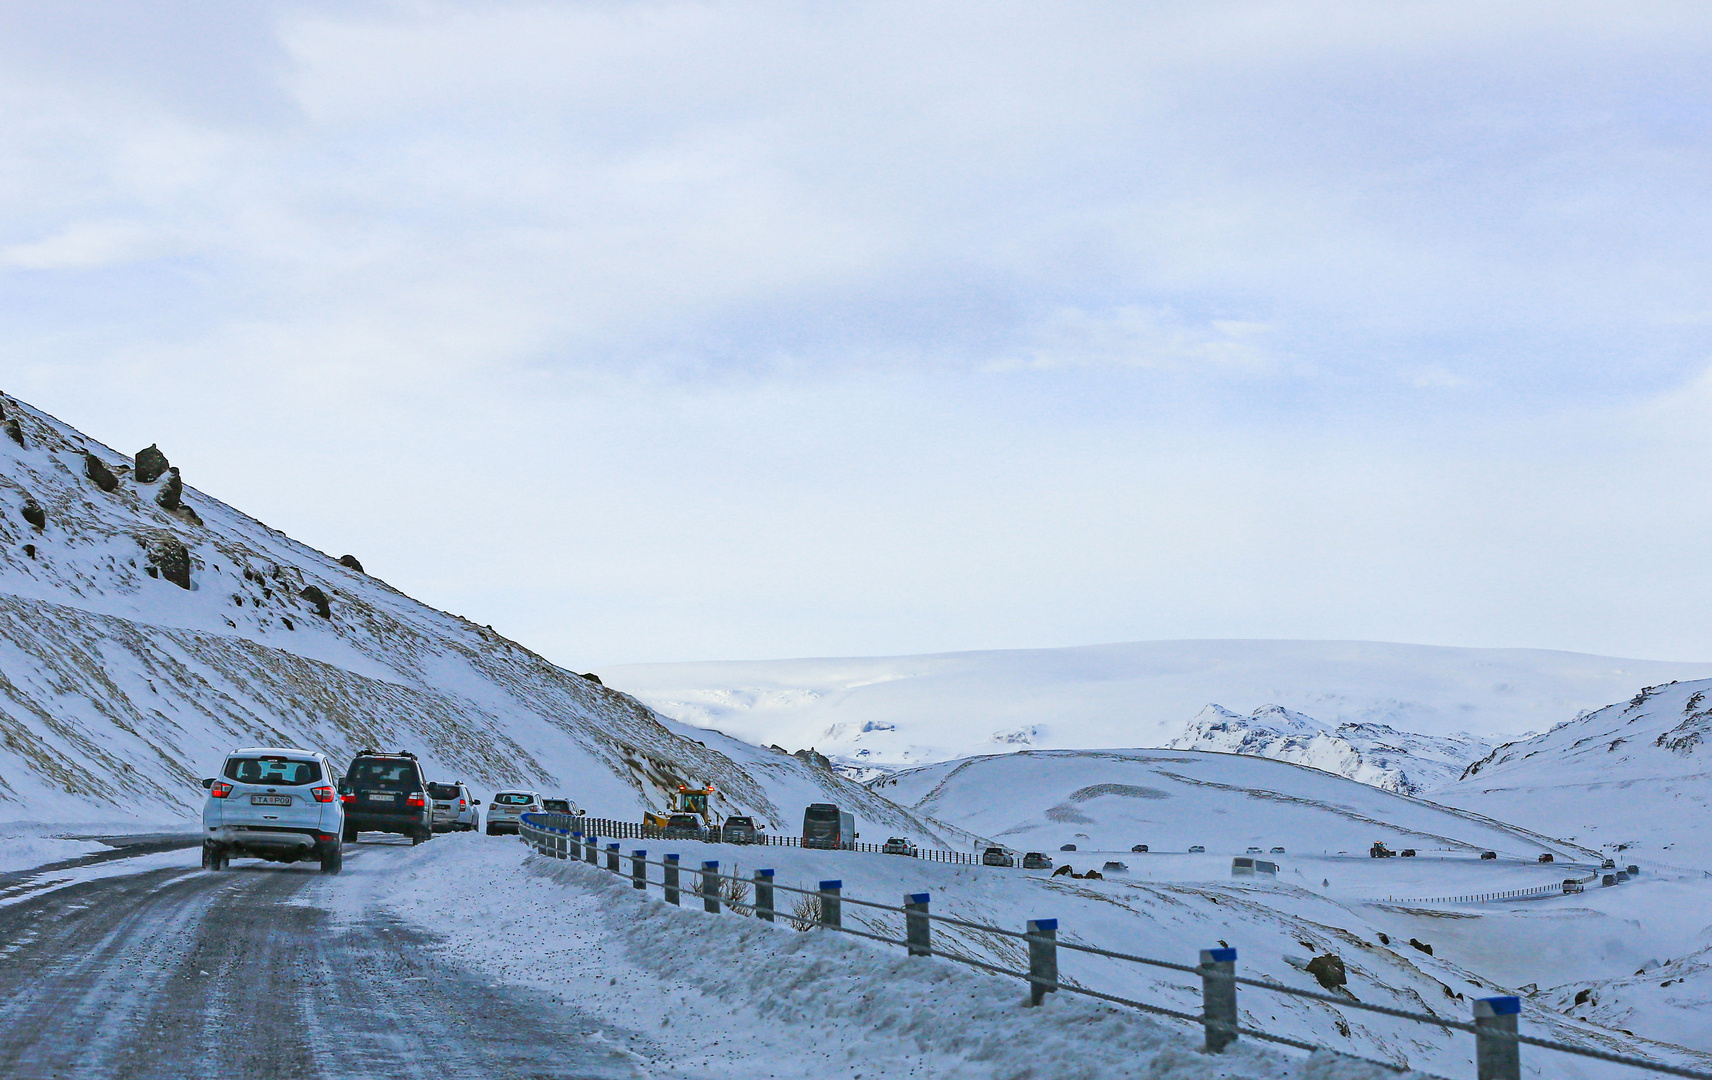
177	972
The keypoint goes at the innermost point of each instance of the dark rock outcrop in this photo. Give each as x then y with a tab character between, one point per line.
1421	945
314	595
99	473
1327	970
151	464
593	678
171	495
34	514
812	757
172	560
14	432
351	561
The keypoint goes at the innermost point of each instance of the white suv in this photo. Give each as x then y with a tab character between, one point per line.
274	803
454	807
507	806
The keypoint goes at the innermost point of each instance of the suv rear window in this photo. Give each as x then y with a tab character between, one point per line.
272	770
443	791
512	799
399	774
740	822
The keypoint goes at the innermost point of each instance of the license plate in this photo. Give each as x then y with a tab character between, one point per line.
270	800
442	806
383	798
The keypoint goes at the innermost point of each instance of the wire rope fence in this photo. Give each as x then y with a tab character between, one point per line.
1494	1025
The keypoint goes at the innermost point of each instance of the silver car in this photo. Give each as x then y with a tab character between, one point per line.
454	807
276	803
507	807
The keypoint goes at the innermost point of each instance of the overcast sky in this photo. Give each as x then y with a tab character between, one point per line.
670	331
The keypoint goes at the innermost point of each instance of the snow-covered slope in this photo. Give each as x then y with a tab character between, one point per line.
1637	774
916	709
1376	754
139	642
1108	800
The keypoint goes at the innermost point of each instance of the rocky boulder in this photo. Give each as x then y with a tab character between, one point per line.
351	561
171	560
34	514
314	595
151	464
99	473
1327	970
14	432
593	678
171	495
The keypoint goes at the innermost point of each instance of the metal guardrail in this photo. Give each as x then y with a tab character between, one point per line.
1497	1040
713	834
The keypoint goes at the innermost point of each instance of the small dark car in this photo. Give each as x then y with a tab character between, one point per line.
556	806
1068	847
1139	849
739	829
1488	854
1034	860
683	827
386	793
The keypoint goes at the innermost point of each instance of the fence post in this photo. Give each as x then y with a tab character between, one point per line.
1497	1058
576	845
832	905
1043	959
710	887
671	878
1218	997
764	895
917	928
639	870
558	845
612	857
591	848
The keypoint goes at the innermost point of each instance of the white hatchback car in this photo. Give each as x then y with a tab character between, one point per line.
275	803
507	806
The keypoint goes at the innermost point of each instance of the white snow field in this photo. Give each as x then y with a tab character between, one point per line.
909	710
120	688
1374	754
723	995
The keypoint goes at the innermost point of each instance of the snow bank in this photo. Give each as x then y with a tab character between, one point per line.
729	996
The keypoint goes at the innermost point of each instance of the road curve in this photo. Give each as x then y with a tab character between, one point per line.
184	973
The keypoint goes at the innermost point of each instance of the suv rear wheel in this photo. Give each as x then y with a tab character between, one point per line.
332	858
419	836
213	857
350	835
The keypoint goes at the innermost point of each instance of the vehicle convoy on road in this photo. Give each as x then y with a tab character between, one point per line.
274	803
826	826
386	793
507	807
454	807
685	800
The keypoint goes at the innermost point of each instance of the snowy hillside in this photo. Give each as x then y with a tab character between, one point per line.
1637	774
1376	754
145	629
910	710
1109	800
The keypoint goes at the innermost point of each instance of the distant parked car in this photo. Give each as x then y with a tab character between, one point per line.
274	803
1139	849
1068	847
454	807
556	806
739	829
1488	854
1034	860
1407	853
1634	871
1622	876
1114	867
1608	864
1546	856
1197	849
899	845
1254	851
1278	851
997	856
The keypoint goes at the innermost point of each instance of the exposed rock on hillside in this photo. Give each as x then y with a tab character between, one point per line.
97	471
351	561
151	464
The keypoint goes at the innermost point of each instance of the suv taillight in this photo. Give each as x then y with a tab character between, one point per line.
348	797
415	800
322	794
219	790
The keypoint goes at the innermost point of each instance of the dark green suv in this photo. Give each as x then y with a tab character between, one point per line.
386	793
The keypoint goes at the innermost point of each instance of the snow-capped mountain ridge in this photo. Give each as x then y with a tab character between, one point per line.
1375	754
